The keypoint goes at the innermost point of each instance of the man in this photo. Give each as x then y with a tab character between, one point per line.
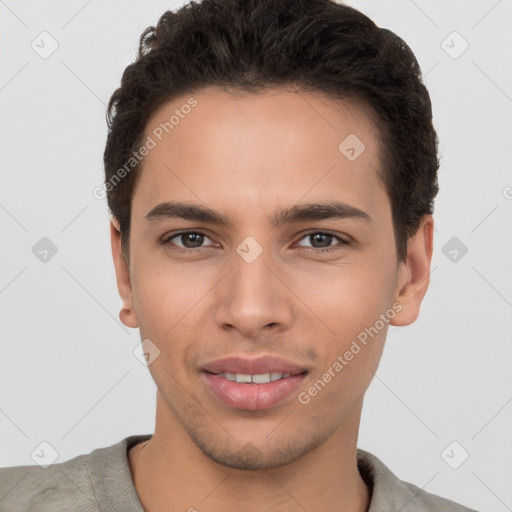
271	168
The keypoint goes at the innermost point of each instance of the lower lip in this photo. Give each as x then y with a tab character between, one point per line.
252	397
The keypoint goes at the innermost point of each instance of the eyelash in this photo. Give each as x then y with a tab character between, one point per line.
182	250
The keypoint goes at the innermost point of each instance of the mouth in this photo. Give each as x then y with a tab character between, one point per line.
259	378
252	384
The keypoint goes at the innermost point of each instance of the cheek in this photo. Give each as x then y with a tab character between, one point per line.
159	283
351	292
168	309
158	300
167	300
344	308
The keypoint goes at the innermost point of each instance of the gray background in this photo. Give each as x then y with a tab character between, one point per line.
68	375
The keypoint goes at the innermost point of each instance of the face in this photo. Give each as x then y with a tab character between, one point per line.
278	277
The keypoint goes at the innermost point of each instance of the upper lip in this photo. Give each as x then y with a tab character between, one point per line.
263	364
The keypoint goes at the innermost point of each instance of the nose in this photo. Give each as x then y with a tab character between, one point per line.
254	298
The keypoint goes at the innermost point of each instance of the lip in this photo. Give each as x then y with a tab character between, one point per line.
252	396
261	364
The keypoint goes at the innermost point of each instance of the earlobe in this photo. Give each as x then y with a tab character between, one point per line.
127	315
414	273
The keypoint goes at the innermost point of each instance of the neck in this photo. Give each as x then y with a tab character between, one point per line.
171	473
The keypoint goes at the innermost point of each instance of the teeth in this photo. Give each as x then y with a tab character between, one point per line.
260	378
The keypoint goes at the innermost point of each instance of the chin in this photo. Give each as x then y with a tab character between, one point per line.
250	456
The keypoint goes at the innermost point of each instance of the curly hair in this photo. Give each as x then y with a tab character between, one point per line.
253	45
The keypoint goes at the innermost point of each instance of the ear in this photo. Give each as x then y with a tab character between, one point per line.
127	315
414	273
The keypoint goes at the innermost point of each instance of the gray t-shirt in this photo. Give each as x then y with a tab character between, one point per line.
101	481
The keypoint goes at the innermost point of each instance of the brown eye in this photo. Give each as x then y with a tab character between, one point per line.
323	241
186	241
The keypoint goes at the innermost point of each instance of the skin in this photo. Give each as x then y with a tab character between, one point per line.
246	156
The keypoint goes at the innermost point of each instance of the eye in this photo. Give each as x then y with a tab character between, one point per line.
190	240
324	238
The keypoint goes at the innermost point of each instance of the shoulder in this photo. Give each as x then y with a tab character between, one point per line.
391	493
60	486
100	480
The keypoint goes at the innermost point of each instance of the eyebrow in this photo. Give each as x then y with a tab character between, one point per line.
294	214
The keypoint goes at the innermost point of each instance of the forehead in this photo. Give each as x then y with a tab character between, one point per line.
253	150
